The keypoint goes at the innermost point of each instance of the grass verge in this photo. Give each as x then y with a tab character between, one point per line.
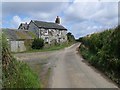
51	48
43	72
16	74
94	61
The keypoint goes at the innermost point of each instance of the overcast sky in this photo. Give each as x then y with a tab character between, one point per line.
80	18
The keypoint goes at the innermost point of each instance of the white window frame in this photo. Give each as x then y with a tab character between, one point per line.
46	39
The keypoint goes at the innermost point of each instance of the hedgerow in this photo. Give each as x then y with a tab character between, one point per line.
16	74
102	51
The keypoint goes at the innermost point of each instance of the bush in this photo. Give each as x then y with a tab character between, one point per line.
28	44
70	37
38	43
16	74
104	48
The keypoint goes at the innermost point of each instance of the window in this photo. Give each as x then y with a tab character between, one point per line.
59	32
46	32
50	30
46	39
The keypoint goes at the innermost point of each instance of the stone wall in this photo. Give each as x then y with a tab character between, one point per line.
53	35
49	35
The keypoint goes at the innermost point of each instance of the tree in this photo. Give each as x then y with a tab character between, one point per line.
70	37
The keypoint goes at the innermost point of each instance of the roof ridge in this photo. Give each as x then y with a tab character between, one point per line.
45	24
44	21
9	29
16	30
15	34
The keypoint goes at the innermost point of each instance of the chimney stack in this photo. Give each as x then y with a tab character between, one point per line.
57	20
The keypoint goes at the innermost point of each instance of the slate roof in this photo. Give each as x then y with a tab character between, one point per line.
48	25
23	25
15	34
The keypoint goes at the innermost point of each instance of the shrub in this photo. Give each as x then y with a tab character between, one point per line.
16	74
70	37
104	48
28	44
38	43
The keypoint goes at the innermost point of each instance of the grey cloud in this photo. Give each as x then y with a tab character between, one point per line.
80	18
26	8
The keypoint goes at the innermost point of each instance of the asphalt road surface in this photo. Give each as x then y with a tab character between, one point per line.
69	69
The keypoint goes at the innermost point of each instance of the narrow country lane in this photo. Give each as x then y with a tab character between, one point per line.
72	72
69	69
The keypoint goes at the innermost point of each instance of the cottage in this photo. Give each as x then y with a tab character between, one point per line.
16	39
49	31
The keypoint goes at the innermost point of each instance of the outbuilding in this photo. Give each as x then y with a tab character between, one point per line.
17	39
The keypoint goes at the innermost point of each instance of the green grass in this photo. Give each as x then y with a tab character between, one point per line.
88	55
19	75
57	47
51	48
94	60
43	72
16	74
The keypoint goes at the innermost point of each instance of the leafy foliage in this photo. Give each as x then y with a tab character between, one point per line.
16	74
38	43
102	51
70	37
